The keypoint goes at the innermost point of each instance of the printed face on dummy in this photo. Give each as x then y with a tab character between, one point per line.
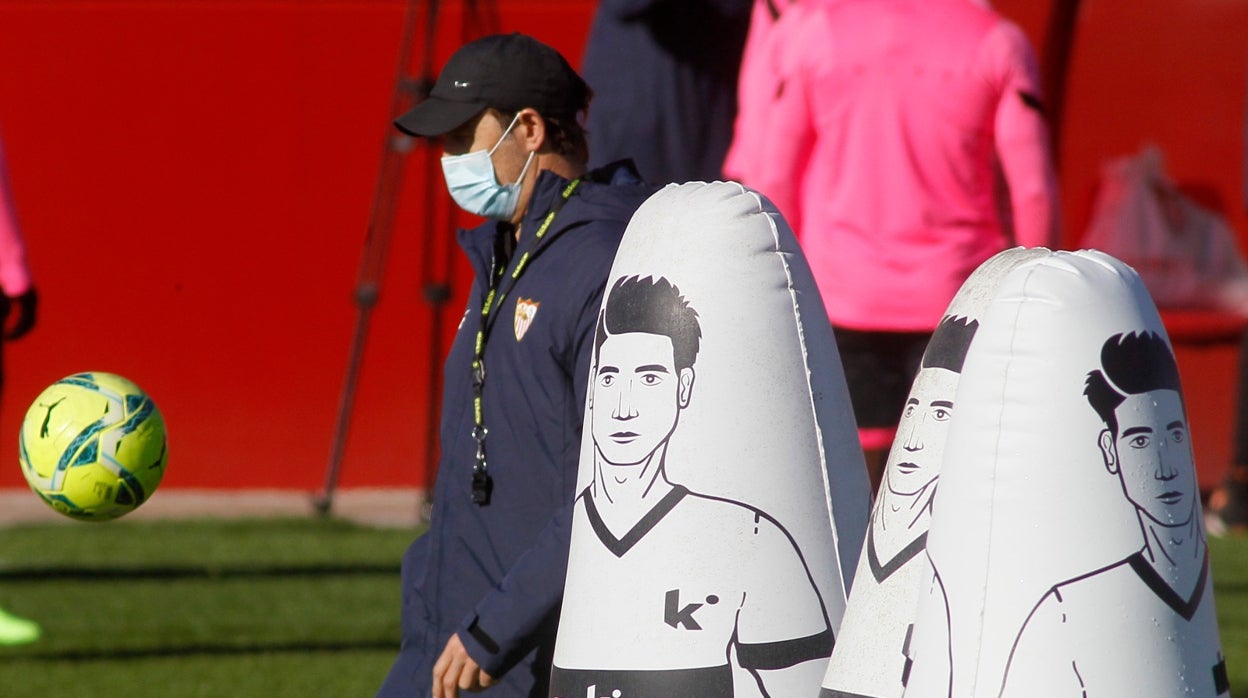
1152	456
637	396
915	460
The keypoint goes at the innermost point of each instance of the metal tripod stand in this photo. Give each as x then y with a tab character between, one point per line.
409	89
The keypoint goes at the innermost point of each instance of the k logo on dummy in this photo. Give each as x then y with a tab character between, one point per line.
872	658
1067	543
723	497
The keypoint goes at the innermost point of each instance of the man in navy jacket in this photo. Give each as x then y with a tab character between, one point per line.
482	588
665	73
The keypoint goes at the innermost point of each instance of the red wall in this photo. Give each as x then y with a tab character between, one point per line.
1174	74
195	181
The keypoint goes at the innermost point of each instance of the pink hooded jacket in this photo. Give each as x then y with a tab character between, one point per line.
885	120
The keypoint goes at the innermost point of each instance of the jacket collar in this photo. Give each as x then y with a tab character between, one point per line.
478	243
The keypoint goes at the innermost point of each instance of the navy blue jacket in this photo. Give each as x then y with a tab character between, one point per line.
664	76
462	575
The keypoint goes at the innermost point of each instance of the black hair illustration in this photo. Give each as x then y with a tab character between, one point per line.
1131	364
652	306
949	343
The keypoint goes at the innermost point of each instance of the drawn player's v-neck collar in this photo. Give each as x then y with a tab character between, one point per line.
1184	607
884	571
619	546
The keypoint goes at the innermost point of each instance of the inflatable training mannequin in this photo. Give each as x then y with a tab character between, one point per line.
871	658
722	498
1067	545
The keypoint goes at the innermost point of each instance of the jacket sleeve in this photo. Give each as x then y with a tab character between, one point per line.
508	621
503	627
780	150
1022	139
754	86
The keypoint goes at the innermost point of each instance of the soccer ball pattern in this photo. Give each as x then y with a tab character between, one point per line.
93	446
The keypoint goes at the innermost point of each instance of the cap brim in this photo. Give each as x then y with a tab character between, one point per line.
435	117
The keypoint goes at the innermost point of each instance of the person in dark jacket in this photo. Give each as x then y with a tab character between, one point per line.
664	73
482	588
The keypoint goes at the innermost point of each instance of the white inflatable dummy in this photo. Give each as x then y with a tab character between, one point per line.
1067	545
871	658
722	494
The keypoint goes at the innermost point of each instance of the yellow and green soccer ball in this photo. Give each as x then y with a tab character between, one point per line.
93	446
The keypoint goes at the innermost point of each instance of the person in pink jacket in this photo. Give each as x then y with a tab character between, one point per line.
753	82
16	289
886	121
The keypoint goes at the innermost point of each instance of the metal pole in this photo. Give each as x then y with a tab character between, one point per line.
408	92
1059	42
395	148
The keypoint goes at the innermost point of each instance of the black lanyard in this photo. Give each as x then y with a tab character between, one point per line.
482	483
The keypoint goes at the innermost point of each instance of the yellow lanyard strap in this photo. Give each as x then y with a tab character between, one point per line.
482	483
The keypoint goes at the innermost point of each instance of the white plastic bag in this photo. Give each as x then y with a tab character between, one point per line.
1185	253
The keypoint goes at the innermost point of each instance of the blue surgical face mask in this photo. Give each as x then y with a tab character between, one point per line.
474	186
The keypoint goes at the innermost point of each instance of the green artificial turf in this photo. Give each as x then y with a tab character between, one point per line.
202	608
271	608
1229	560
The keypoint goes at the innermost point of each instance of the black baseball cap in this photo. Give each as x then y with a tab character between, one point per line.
508	72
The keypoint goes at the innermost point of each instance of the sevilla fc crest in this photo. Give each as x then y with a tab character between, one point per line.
526	310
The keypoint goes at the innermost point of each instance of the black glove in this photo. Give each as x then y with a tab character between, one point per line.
26	305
